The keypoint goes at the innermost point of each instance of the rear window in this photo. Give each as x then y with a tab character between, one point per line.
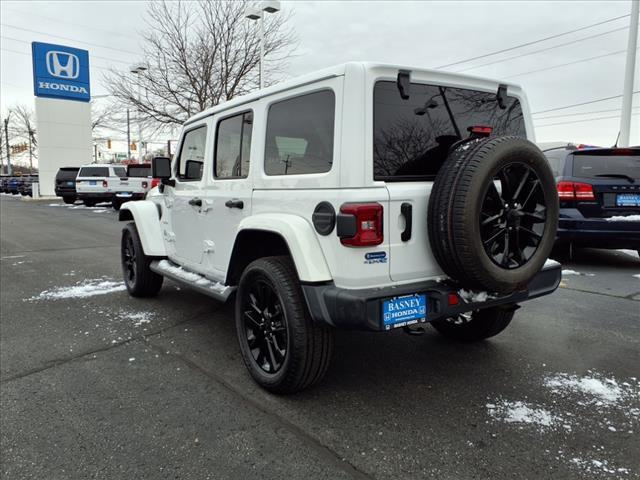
120	172
67	173
556	159
411	137
139	171
94	172
596	166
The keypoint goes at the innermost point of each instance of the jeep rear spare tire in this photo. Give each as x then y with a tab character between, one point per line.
493	213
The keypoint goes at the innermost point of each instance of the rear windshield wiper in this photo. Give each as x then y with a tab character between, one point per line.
617	175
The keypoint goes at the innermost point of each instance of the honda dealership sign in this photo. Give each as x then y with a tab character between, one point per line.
60	72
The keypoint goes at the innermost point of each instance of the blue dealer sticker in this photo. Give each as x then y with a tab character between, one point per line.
375	257
405	310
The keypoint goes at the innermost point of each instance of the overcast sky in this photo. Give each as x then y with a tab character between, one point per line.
420	33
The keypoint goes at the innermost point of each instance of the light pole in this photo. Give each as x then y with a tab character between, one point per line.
258	14
6	139
137	69
627	92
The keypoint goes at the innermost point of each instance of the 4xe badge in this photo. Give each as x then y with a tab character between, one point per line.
60	72
375	257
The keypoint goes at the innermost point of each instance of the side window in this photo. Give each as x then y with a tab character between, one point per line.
300	135
556	160
191	157
233	146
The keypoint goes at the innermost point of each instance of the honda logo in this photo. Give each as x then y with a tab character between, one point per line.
63	65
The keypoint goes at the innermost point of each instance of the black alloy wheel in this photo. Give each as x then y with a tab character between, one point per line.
265	326
513	217
139	279
129	259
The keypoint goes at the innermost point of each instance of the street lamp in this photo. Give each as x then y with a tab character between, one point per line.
258	14
137	69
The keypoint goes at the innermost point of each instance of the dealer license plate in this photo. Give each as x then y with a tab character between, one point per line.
70	184
628	200
92	182
406	310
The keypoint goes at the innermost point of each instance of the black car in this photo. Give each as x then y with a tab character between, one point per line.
66	184
26	187
599	194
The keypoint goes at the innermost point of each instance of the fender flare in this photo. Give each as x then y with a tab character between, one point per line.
146	216
301	240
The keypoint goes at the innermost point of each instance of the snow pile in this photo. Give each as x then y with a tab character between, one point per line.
626	218
84	289
521	412
469	296
597	389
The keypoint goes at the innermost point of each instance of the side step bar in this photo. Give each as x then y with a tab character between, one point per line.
192	280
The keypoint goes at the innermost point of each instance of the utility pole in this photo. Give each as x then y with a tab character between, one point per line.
128	136
627	93
6	139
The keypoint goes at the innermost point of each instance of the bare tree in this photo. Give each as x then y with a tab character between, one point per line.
199	54
23	127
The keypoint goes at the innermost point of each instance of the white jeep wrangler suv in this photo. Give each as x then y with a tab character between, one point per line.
363	196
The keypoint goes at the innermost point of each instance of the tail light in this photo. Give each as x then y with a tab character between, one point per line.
155	182
360	224
570	191
481	130
105	184
144	184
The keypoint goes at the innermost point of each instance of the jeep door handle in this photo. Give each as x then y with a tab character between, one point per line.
407	212
235	203
195	202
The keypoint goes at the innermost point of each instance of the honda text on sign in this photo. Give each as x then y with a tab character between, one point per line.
60	72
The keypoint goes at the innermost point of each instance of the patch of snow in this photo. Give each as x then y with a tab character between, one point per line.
605	390
625	218
594	466
132	359
521	412
469	296
84	289
100	210
18	263
12	256
56	205
636	276
573	272
138	318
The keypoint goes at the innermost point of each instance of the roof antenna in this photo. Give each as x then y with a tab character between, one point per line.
615	145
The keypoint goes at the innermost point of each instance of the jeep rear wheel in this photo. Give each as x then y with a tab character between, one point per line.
139	279
474	326
69	200
493	213
283	349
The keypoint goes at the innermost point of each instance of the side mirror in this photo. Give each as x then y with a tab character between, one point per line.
161	167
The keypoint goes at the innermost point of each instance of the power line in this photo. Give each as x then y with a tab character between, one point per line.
92	55
582	121
580	104
565	64
580	113
70	39
533	42
544	49
29	55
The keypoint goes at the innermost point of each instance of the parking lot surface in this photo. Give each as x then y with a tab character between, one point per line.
95	384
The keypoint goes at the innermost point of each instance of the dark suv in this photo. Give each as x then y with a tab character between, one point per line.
599	193
66	184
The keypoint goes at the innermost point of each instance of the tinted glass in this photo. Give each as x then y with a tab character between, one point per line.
412	137
94	172
556	160
139	171
233	146
590	166
120	172
192	151
67	174
300	135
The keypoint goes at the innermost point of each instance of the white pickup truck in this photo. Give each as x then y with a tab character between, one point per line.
132	187
362	197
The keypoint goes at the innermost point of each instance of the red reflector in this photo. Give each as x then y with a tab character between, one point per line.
480	129
453	299
575	191
368	224
144	184
105	184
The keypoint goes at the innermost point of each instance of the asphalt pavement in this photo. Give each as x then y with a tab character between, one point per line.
107	386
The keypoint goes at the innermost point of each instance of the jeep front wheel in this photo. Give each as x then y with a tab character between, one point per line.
475	326
139	279
283	349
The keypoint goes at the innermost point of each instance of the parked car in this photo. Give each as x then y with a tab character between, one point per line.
599	192
65	186
4	183
134	187
13	186
361	197
94	183
26	187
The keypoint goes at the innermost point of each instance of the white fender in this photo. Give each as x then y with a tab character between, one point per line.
145	215
301	240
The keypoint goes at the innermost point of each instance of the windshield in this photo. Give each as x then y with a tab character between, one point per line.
596	166
412	137
94	172
139	171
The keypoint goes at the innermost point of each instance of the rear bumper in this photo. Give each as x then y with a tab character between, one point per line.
362	309
599	233
95	196
65	192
